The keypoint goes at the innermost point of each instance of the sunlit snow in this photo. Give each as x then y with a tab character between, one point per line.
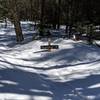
28	73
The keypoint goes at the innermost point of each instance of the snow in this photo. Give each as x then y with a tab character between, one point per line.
95	86
28	73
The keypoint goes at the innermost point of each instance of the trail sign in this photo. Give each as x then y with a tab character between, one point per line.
49	47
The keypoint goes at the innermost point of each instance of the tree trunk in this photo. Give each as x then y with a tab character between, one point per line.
14	12
58	14
42	17
18	30
5	19
69	18
31	10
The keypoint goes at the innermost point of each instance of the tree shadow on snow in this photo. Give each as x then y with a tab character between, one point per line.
21	82
26	83
32	84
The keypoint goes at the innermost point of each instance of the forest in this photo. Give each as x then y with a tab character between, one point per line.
76	15
49	49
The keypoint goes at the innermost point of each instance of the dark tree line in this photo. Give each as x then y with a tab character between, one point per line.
50	12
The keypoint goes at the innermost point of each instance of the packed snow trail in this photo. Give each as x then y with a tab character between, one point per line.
28	73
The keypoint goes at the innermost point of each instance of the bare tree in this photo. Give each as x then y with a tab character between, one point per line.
58	14
15	18
42	8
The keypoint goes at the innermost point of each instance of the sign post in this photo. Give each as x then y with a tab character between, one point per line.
49	47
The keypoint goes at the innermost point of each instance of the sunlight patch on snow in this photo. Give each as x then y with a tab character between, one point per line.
91	97
15	61
9	60
32	70
41	98
8	82
94	86
69	46
78	89
2	32
12	96
40	91
71	73
4	64
3	48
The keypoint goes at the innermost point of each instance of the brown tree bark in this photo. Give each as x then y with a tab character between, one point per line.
18	30
15	17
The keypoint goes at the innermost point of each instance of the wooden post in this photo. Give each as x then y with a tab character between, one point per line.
49	47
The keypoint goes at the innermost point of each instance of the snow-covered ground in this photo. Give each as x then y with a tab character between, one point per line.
28	73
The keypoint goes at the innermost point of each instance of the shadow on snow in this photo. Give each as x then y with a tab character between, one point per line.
22	82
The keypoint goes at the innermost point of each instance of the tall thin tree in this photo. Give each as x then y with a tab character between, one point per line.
42	9
15	17
58	14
